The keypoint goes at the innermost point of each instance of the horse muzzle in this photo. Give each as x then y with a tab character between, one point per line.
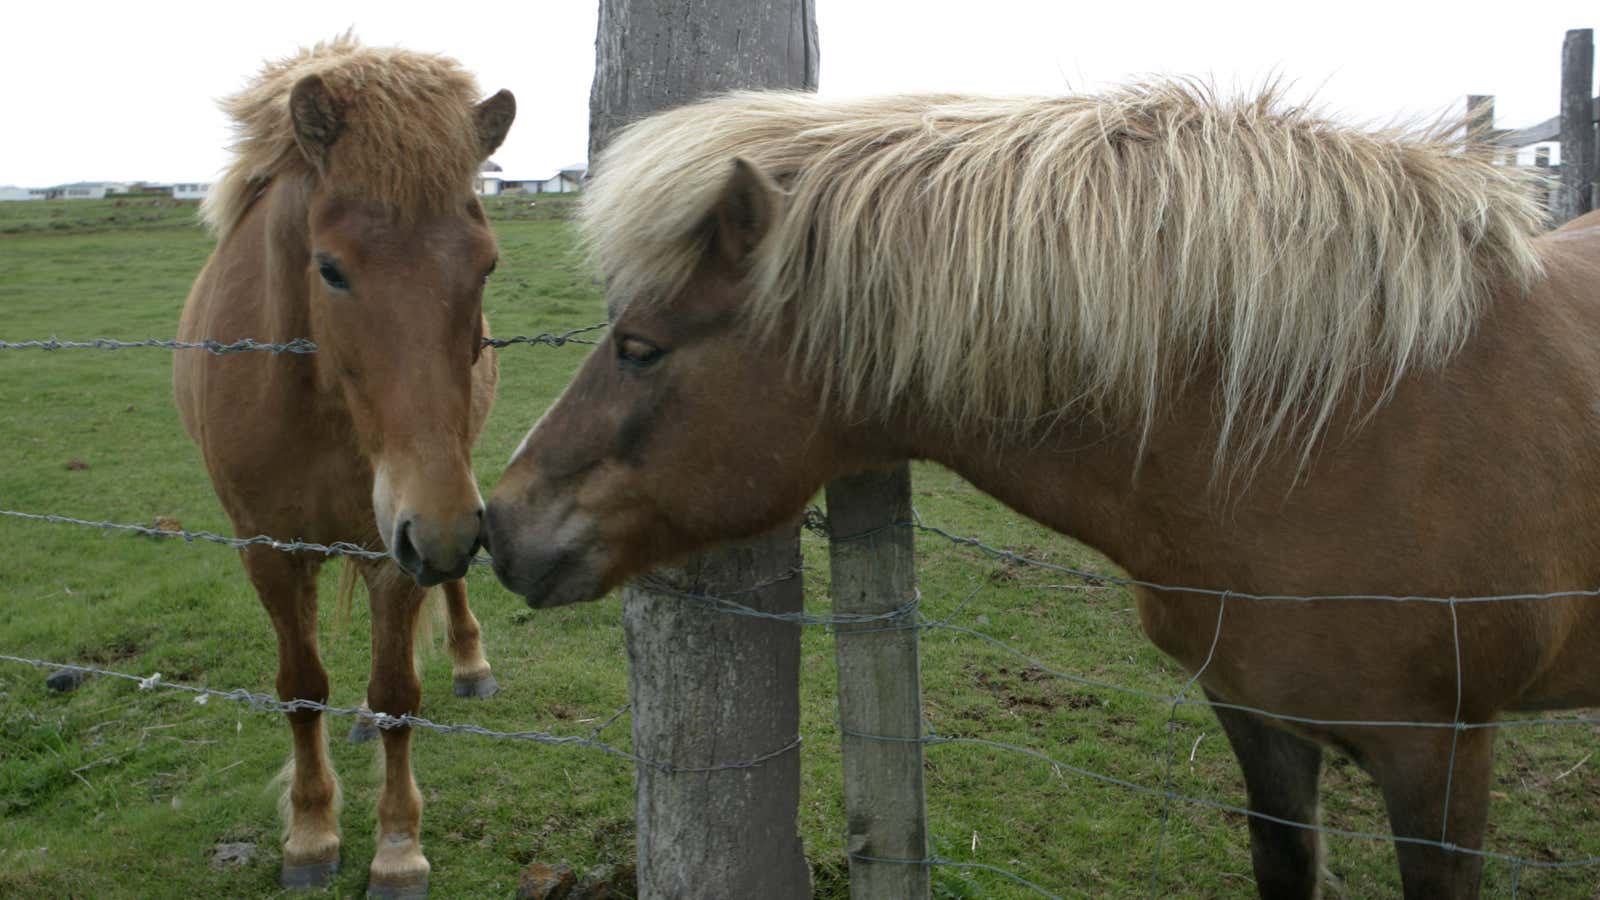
543	571
435	555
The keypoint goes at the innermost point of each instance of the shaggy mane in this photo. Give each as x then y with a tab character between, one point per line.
409	141
1011	261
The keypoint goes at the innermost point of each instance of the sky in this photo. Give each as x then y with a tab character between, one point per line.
127	91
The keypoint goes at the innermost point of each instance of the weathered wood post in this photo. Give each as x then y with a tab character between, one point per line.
709	688
1576	194
1480	116
880	684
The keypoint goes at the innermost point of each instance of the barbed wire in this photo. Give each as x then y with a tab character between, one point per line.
300	346
549	338
337	548
266	703
906	616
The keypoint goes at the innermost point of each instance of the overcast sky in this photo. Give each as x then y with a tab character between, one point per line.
126	91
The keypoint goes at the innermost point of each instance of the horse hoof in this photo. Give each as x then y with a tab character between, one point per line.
362	731
63	680
413	888
309	876
479	688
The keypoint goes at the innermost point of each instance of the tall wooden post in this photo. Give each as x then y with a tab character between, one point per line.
1576	194
880	685
710	688
1480	116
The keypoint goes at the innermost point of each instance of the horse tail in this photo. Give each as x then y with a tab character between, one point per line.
344	597
428	618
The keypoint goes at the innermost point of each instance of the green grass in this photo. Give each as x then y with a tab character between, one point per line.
115	792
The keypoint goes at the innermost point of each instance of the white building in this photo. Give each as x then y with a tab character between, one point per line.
80	190
12	192
492	181
191	191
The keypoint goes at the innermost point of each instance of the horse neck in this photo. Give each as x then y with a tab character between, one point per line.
1137	503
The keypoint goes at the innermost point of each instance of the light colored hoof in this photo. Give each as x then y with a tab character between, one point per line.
309	876
480	687
414	887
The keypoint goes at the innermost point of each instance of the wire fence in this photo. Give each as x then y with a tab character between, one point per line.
298	346
909	615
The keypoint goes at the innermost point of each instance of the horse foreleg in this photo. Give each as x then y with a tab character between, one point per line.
1413	772
1280	774
472	676
287	586
399	870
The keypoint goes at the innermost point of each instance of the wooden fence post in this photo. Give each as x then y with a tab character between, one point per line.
710	688
1576	194
880	684
1480	116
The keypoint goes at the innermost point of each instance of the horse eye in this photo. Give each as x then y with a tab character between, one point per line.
331	276
637	352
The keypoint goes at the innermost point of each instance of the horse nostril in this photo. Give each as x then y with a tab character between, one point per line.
405	552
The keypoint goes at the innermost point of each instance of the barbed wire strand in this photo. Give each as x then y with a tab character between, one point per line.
1455	734
267	703
297	345
898	618
1171	729
934	739
1009	556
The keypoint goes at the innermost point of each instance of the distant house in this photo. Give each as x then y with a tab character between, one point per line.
12	192
566	181
151	188
489	180
79	190
191	191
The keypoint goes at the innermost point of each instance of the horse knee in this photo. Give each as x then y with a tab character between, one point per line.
395	695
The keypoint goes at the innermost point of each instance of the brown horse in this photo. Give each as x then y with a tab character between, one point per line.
1232	344
348	216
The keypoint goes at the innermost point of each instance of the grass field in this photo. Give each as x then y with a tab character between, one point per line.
110	791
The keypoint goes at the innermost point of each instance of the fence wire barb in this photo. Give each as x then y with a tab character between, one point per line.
267	703
549	338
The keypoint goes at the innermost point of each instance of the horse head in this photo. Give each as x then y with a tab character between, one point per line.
394	278
685	427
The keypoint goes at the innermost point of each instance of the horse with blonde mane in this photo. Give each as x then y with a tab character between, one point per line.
348	216
1232	344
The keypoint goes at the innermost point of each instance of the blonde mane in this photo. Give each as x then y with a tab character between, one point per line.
1005	262
409	142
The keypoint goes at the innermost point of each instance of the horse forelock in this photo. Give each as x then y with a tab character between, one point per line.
409	140
1004	262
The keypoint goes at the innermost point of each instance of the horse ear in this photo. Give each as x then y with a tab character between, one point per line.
316	117
494	117
745	212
